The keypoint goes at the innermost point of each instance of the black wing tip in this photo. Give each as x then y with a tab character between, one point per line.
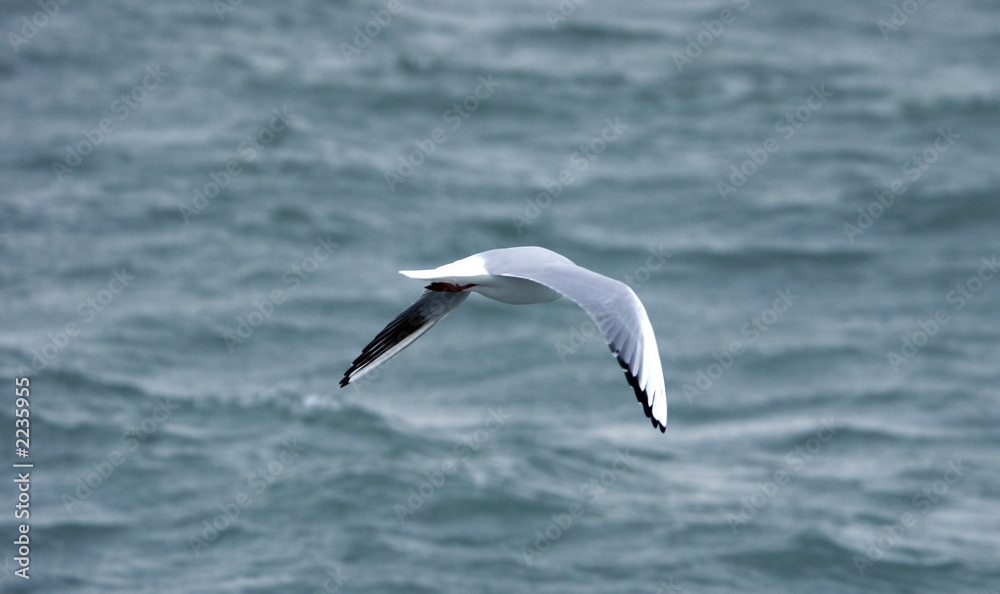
641	395
418	317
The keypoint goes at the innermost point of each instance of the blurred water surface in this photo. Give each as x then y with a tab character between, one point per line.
214	199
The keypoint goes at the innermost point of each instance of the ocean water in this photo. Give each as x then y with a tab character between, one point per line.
204	206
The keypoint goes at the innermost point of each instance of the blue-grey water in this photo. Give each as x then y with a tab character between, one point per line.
204	206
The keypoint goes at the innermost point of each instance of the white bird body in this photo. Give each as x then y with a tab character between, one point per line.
527	275
491	283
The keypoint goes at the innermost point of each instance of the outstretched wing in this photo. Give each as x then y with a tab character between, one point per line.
408	326
620	317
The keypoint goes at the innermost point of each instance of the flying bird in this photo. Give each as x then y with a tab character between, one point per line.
524	275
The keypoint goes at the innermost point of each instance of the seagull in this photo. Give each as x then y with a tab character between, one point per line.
527	275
